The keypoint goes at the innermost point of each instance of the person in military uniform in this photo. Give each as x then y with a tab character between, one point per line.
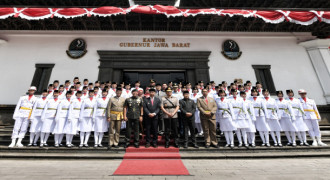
133	113
115	116
170	106
188	109
160	94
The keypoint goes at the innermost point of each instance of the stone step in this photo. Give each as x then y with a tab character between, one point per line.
206	154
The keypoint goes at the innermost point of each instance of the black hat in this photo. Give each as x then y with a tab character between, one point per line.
75	78
85	79
152	89
61	85
235	81
96	88
68	92
195	88
258	83
50	85
106	87
188	83
168	89
134	90
107	82
152	81
265	90
231	84
72	87
91	91
196	84
175	85
127	84
137	82
254	90
289	91
102	83
185	92
233	90
211	82
56	81
221	91
119	89
248	81
97	81
239	86
104	90
200	82
90	84
114	83
242	92
85	87
78	83
55	91
170	82
67	81
223	82
208	84
45	90
158	84
279	92
78	92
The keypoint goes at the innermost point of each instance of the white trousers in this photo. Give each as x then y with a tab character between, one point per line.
20	128
313	126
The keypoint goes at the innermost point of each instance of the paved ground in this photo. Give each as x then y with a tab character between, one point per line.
200	169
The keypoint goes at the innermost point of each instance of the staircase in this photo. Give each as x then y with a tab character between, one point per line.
190	153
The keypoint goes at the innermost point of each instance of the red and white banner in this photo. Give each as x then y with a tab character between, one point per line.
275	16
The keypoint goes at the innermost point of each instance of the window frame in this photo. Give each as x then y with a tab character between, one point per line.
41	77
269	82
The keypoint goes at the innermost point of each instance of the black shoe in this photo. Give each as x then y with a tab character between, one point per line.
148	145
167	145
126	145
137	146
116	147
207	146
176	145
215	146
195	146
109	147
154	145
185	146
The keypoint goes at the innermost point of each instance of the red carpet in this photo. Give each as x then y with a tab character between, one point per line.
151	161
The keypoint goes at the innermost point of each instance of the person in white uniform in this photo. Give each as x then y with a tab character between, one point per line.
251	118
36	122
22	114
298	112
61	118
272	119
286	118
71	126
194	96
48	118
260	112
101	124
311	118
241	121
226	115
86	119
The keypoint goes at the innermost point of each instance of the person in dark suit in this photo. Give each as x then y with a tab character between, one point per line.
151	107
188	108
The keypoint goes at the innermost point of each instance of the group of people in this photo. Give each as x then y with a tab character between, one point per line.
176	109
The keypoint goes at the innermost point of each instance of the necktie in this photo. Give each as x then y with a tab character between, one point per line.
206	101
43	98
255	98
267	98
104	98
55	99
152	101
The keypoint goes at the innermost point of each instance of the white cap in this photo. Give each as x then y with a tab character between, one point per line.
32	88
300	91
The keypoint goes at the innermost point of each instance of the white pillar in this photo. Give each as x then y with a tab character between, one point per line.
319	53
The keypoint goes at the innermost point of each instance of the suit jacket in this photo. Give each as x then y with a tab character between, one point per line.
148	107
160	94
202	106
188	106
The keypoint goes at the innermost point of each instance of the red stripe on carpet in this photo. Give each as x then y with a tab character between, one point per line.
151	167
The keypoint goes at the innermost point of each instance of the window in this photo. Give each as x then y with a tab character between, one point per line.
41	76
264	76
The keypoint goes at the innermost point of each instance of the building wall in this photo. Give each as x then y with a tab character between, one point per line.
290	63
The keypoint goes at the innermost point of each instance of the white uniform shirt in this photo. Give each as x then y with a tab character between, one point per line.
284	109
38	107
310	108
249	107
225	109
87	108
272	108
239	107
126	94
74	109
24	107
63	109
298	110
259	106
100	107
50	109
